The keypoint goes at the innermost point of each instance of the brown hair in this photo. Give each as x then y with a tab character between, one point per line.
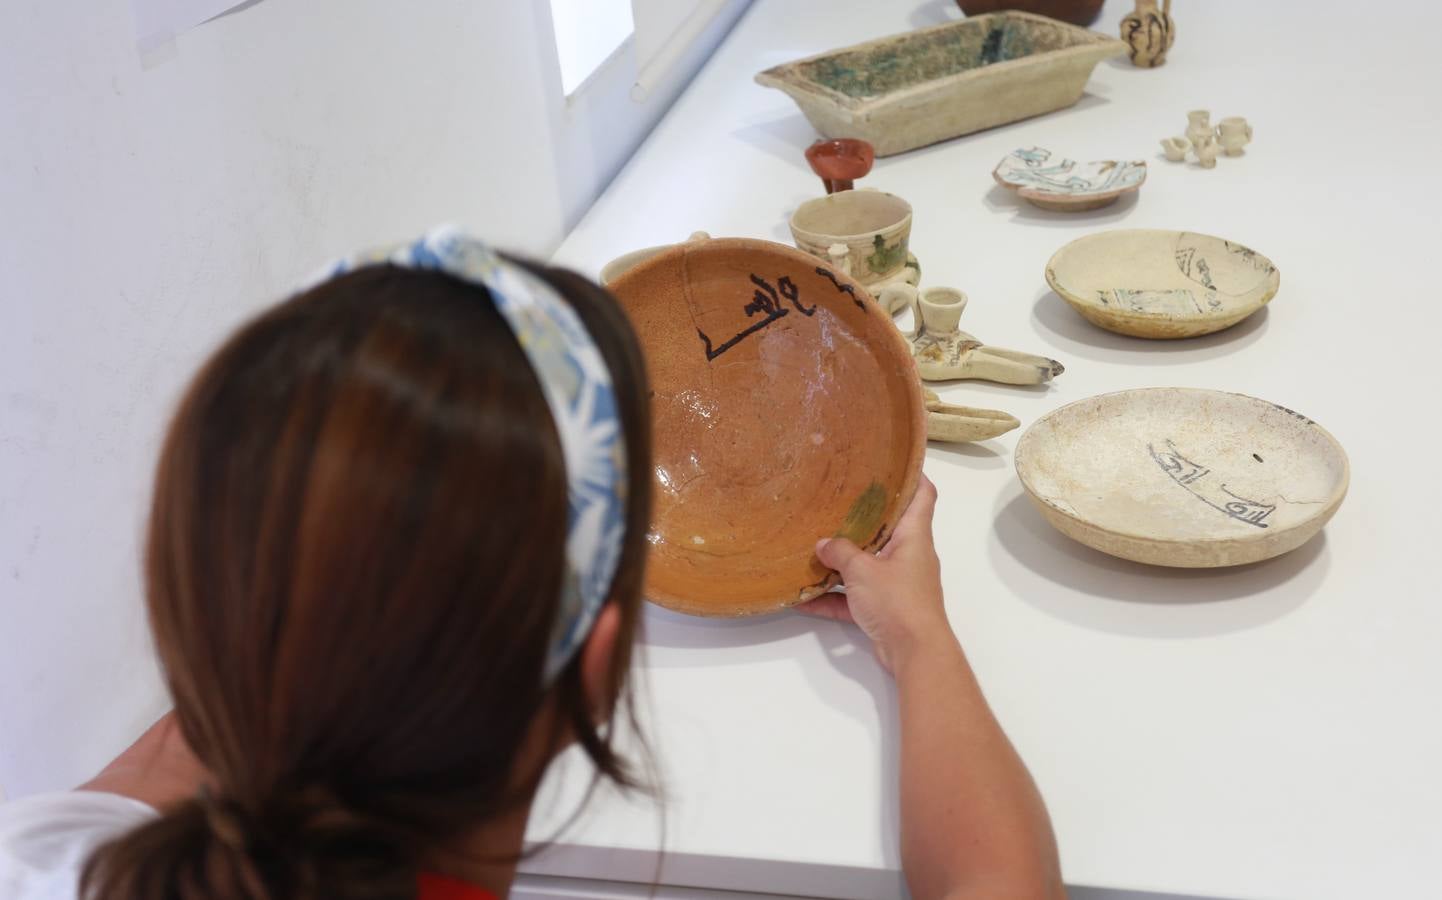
352	572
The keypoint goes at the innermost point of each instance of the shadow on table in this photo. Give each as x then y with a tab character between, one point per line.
785	138
1003	200
1069	333
969	166
976	455
1113	595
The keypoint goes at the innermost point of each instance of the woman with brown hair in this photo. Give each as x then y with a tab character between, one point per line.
394	566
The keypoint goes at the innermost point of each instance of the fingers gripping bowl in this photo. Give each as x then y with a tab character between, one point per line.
786	408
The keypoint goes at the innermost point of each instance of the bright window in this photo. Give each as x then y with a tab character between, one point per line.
587	33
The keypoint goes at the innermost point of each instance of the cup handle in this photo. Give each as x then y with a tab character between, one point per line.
897	294
840	256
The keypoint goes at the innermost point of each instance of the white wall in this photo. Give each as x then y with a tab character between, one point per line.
146	206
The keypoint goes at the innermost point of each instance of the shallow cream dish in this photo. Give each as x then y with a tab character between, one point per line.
1153	283
1183	477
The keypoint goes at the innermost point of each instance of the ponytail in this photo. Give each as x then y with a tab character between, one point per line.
307	847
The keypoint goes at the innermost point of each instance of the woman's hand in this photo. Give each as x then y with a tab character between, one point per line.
895	595
973	826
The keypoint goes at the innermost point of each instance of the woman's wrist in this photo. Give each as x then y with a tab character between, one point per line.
923	646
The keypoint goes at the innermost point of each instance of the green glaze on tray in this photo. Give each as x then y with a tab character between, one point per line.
930	56
912	89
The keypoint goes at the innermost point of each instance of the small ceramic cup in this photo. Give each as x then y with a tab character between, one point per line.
1233	133
1176	148
863	233
940	309
1206	151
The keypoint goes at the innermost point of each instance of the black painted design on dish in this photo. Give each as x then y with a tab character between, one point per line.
766	300
1192	475
843	288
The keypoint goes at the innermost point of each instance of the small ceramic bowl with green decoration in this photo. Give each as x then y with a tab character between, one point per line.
862	233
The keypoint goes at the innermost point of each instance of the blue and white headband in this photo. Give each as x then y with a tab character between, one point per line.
579	392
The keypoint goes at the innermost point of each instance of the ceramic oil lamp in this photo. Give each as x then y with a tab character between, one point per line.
951	424
944	353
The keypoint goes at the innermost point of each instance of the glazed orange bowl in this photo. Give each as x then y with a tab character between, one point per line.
786	408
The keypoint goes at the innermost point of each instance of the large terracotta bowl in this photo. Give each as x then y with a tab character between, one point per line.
786	409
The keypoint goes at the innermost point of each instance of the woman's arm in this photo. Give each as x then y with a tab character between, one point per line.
972	822
158	769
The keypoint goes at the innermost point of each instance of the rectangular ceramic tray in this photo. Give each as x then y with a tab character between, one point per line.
913	89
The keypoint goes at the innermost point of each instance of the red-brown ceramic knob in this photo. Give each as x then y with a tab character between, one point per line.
840	162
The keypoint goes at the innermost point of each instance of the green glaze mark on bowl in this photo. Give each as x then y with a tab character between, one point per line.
864	517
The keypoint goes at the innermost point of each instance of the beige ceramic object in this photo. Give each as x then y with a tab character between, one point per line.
865	234
951	424
1234	134
1054	182
785	409
1199	126
1206	151
1183	477
1149	33
943	352
1176	148
613	269
1162	284
932	84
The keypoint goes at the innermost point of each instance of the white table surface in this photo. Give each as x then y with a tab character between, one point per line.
1272	731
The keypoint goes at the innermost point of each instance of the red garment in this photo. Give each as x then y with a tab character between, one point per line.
441	887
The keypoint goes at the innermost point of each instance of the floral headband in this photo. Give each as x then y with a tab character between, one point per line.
579	392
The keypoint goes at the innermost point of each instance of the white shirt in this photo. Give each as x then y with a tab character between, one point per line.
46	839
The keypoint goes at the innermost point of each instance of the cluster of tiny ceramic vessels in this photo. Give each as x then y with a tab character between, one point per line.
786	401
1232	135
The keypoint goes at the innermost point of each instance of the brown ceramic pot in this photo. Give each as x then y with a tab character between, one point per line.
786	409
1077	12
